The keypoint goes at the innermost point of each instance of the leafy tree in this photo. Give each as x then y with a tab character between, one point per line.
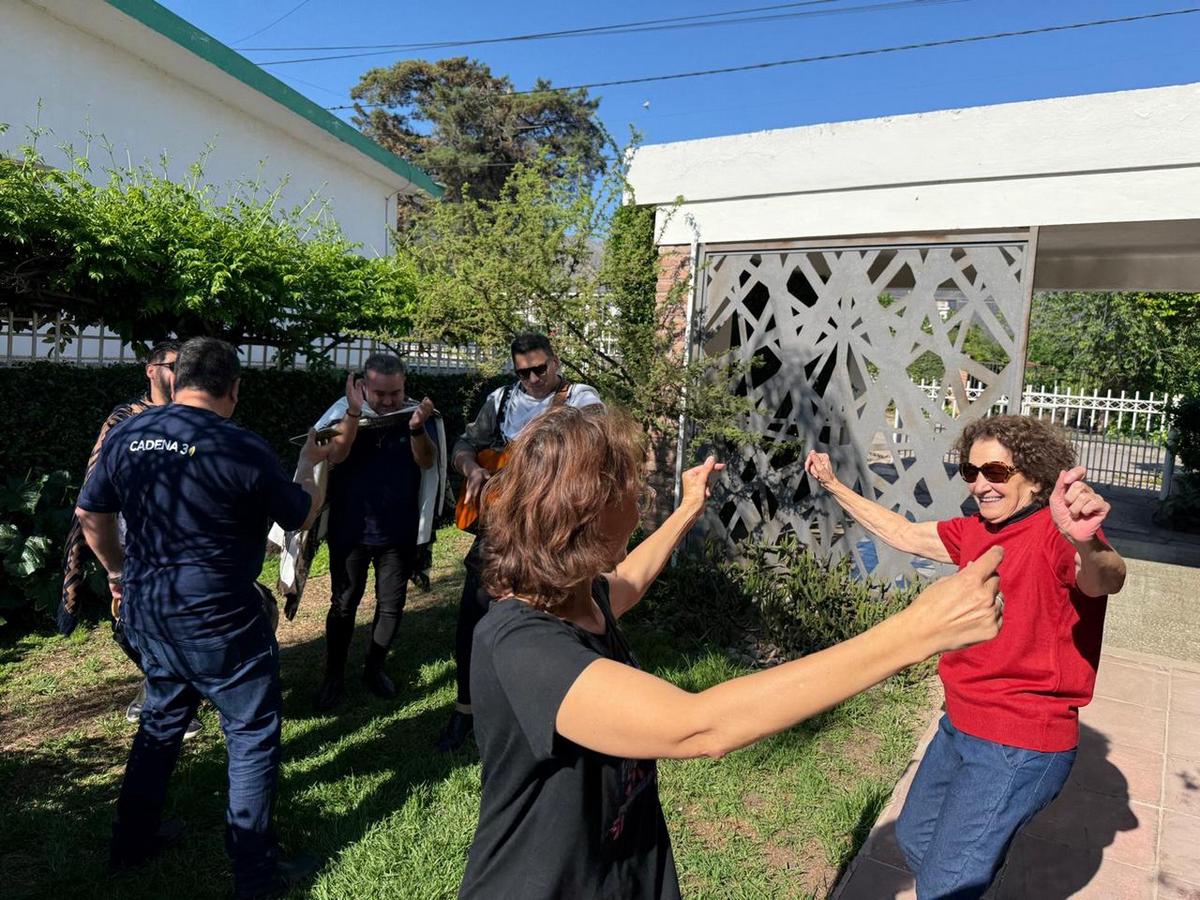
528	259
1132	341
470	128
150	256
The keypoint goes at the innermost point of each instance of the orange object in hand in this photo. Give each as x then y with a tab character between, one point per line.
466	514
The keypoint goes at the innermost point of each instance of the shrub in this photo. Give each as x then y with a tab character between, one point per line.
57	409
35	513
49	431
807	604
151	256
1185	421
1181	510
780	595
698	602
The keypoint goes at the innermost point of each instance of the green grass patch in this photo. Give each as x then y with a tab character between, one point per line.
365	789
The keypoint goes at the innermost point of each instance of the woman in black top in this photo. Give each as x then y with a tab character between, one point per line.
568	726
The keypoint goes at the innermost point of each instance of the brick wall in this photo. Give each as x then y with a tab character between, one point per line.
674	266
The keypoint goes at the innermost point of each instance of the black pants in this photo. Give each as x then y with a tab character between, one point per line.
348	568
471	608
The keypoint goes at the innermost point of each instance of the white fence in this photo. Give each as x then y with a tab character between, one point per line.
1118	437
53	338
1081	410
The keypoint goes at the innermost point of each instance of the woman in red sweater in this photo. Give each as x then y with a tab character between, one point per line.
1006	744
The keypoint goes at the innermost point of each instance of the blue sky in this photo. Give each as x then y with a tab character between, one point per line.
1109	58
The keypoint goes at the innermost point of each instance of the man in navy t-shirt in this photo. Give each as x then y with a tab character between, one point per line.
197	494
374	514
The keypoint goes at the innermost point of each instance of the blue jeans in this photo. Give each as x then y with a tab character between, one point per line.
966	803
241	679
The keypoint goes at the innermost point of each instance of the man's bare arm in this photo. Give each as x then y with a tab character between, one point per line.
102	536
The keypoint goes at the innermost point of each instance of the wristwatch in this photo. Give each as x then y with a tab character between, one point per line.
116	579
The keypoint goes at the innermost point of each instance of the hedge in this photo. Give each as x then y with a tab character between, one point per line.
53	410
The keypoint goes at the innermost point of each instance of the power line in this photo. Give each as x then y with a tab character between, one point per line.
633	28
826	57
295	8
545	34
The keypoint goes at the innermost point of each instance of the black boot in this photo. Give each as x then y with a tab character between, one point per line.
374	677
286	874
123	858
338	633
456	732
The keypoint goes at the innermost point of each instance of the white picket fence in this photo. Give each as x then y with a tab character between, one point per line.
52	338
1094	411
1119	437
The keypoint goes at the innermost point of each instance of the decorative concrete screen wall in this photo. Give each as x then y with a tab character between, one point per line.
839	336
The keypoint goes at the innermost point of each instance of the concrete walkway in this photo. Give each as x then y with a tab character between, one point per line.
1127	825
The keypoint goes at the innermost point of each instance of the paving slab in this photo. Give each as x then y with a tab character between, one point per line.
1126	724
1181	787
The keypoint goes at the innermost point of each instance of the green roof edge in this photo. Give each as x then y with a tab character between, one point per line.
208	48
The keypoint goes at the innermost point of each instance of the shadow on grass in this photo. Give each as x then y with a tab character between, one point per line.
341	775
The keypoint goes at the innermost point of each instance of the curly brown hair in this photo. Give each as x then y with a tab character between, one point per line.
1040	450
541	525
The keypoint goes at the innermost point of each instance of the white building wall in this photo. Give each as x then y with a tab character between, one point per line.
85	83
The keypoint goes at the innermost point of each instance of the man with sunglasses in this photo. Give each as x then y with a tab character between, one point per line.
1008	739
160	378
504	414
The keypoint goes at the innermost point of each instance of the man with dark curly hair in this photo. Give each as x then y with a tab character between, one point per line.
1007	742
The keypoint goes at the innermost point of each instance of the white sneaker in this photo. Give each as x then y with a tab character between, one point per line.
133	712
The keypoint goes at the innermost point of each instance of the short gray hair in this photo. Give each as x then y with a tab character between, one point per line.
385	364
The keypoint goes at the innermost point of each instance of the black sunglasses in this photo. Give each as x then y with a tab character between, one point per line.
528	372
169	366
995	472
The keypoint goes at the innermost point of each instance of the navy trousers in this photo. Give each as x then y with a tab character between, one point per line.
240	677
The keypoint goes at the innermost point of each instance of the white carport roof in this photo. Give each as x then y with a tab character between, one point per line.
1111	181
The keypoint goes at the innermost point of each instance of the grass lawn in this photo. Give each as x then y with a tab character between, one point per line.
364	788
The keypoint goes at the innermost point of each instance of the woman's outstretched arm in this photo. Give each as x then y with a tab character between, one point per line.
633	577
917	538
621	711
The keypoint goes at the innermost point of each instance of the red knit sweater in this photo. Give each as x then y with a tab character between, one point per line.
1024	687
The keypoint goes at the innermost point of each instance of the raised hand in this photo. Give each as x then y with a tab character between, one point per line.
312	452
697	485
962	609
356	394
1077	510
818	466
421	414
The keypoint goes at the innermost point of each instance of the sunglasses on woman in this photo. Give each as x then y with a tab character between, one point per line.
994	472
